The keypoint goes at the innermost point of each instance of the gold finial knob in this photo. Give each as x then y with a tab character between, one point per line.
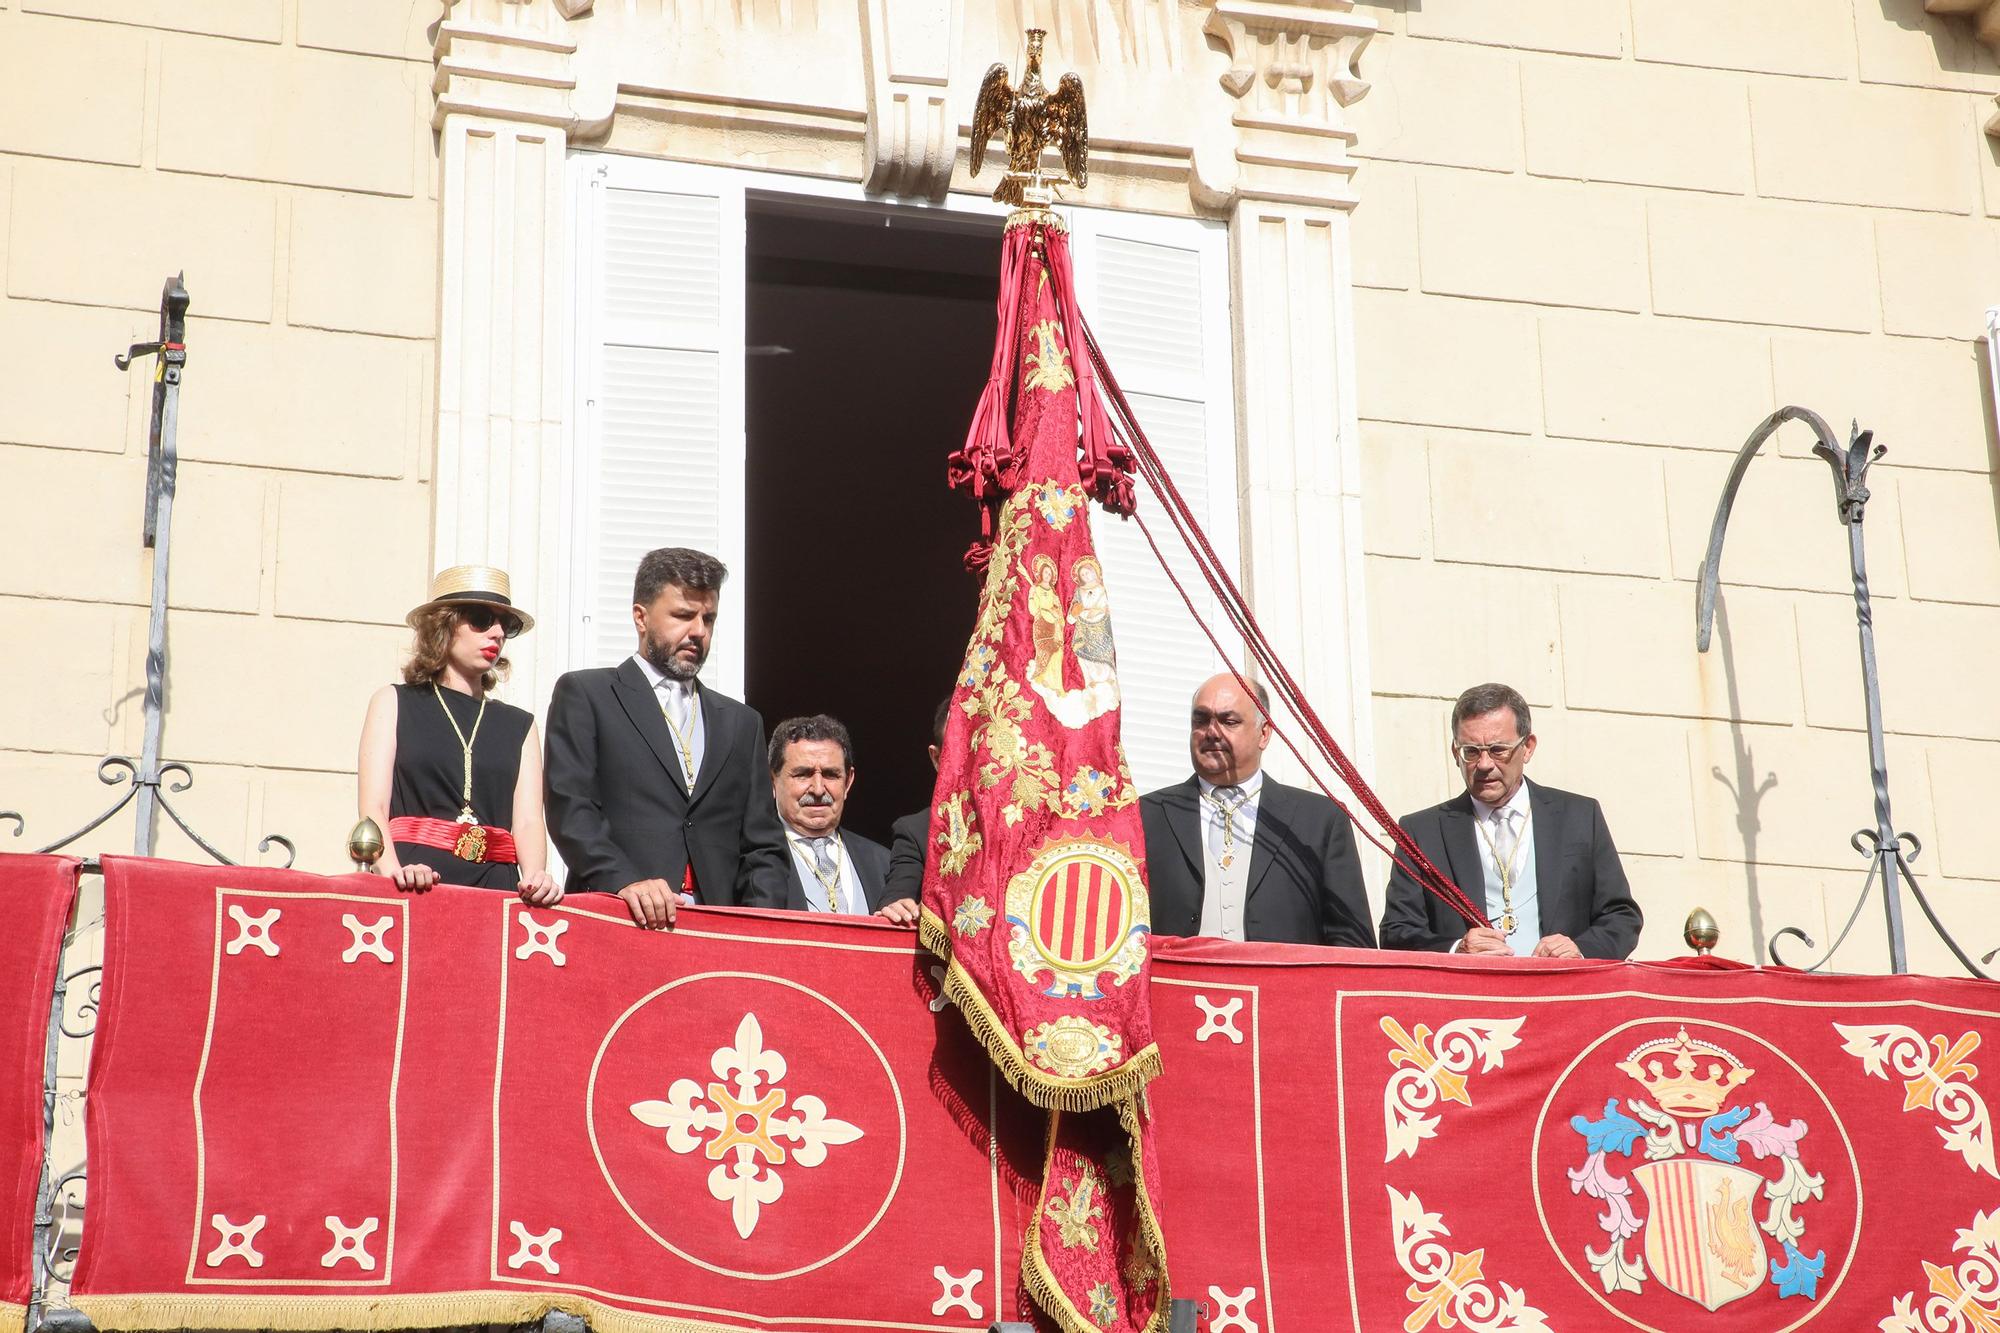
364	843
1701	932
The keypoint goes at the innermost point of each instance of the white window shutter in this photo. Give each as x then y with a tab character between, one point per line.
1156	293
660	394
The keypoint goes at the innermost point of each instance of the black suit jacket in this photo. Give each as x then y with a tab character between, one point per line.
619	809
1304	884
1580	885
871	867
906	857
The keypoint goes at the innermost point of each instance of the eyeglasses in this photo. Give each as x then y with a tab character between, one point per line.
1499	754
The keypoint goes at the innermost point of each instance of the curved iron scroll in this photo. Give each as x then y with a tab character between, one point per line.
116	770
1882	844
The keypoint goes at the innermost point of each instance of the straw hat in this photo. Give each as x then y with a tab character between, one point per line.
476	585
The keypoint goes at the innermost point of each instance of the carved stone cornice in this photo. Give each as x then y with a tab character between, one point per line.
1292	69
881	91
1984	15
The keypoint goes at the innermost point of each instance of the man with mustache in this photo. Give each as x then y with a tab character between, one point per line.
656	786
812	771
1233	853
1541	860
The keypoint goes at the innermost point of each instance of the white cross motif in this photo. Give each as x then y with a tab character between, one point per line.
747	1123
957	1294
350	1243
1219	1020
240	1241
534	1248
367	939
939	1001
541	939
1230	1311
253	932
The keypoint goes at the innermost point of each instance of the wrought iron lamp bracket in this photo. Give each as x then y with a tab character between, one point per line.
1883	845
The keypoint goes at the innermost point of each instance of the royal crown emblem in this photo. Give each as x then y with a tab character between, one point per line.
1720	1213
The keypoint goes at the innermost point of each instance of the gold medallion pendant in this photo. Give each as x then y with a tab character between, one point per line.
471	844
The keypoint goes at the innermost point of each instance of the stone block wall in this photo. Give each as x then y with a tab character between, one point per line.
280	153
1597	243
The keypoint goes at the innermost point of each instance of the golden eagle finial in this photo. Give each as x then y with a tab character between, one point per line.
1033	120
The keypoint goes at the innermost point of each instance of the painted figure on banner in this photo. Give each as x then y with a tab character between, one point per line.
1046	608
1732	1201
1553	884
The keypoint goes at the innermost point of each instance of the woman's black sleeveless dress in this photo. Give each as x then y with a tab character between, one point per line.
430	775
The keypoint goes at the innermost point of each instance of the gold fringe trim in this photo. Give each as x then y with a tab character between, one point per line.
11	1314
376	1314
1046	1090
1040	1280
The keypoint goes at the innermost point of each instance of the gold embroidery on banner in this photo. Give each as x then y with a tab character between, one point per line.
959	839
1047	367
1937	1076
1077	1214
973	915
1058	505
1072	1047
1103	1305
998	709
1966	1290
996	600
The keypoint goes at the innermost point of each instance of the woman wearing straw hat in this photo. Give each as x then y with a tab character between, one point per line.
454	775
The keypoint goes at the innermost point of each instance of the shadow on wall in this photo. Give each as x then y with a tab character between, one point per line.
1746	789
1959	50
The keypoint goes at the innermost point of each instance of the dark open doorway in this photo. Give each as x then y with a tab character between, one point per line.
870	330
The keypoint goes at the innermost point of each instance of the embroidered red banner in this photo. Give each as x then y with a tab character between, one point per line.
316	1104
36	895
518	1110
1356	1142
1034	884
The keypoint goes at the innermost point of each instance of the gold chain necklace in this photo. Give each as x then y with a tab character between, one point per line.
683	741
472	842
1227	811
830	885
1504	873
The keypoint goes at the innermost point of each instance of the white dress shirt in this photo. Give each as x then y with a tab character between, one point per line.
680	700
1224	888
851	898
1527	932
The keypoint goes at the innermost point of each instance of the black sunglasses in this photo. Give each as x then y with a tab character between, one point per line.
483	618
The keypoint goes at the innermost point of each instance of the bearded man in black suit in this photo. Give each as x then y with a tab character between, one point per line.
1541	860
656	788
1236	854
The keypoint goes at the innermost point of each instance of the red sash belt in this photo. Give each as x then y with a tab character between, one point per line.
468	842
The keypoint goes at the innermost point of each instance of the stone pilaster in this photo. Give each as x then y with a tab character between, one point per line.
504	116
1288	191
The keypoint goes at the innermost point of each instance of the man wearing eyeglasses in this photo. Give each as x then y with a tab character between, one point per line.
1234	854
1541	860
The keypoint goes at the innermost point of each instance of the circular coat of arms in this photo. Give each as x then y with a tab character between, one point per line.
1078	911
745	1121
1682	1161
